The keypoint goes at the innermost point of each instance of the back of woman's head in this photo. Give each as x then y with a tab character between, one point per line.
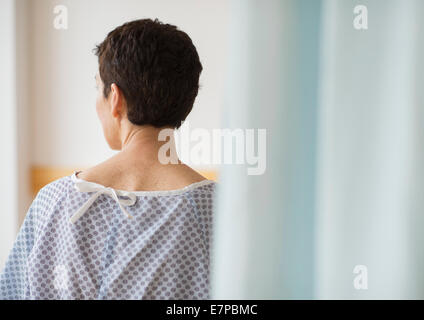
157	68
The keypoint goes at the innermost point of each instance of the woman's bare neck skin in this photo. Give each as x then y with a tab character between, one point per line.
137	167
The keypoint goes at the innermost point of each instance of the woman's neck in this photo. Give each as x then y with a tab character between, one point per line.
143	144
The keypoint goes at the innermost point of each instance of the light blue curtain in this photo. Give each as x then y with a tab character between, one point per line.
370	195
343	109
265	224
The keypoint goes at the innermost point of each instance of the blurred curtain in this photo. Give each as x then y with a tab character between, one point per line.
344	181
370	201
264	228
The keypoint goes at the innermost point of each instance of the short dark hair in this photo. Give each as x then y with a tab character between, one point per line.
157	68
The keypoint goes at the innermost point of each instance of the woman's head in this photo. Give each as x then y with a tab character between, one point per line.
148	75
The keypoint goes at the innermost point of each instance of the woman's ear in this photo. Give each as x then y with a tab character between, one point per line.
116	101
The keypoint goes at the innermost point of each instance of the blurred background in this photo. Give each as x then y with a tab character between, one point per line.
343	110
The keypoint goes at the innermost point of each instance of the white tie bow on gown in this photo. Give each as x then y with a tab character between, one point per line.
85	186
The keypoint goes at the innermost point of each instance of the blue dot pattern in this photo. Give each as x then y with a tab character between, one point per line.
162	253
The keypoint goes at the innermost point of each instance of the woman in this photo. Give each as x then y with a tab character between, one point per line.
131	227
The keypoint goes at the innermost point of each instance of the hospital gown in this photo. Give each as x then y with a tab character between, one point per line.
81	240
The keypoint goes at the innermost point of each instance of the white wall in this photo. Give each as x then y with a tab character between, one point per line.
66	131
8	130
22	45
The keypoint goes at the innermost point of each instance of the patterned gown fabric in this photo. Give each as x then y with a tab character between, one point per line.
159	249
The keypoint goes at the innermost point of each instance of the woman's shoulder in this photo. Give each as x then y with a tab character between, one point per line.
55	187
135	178
50	196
